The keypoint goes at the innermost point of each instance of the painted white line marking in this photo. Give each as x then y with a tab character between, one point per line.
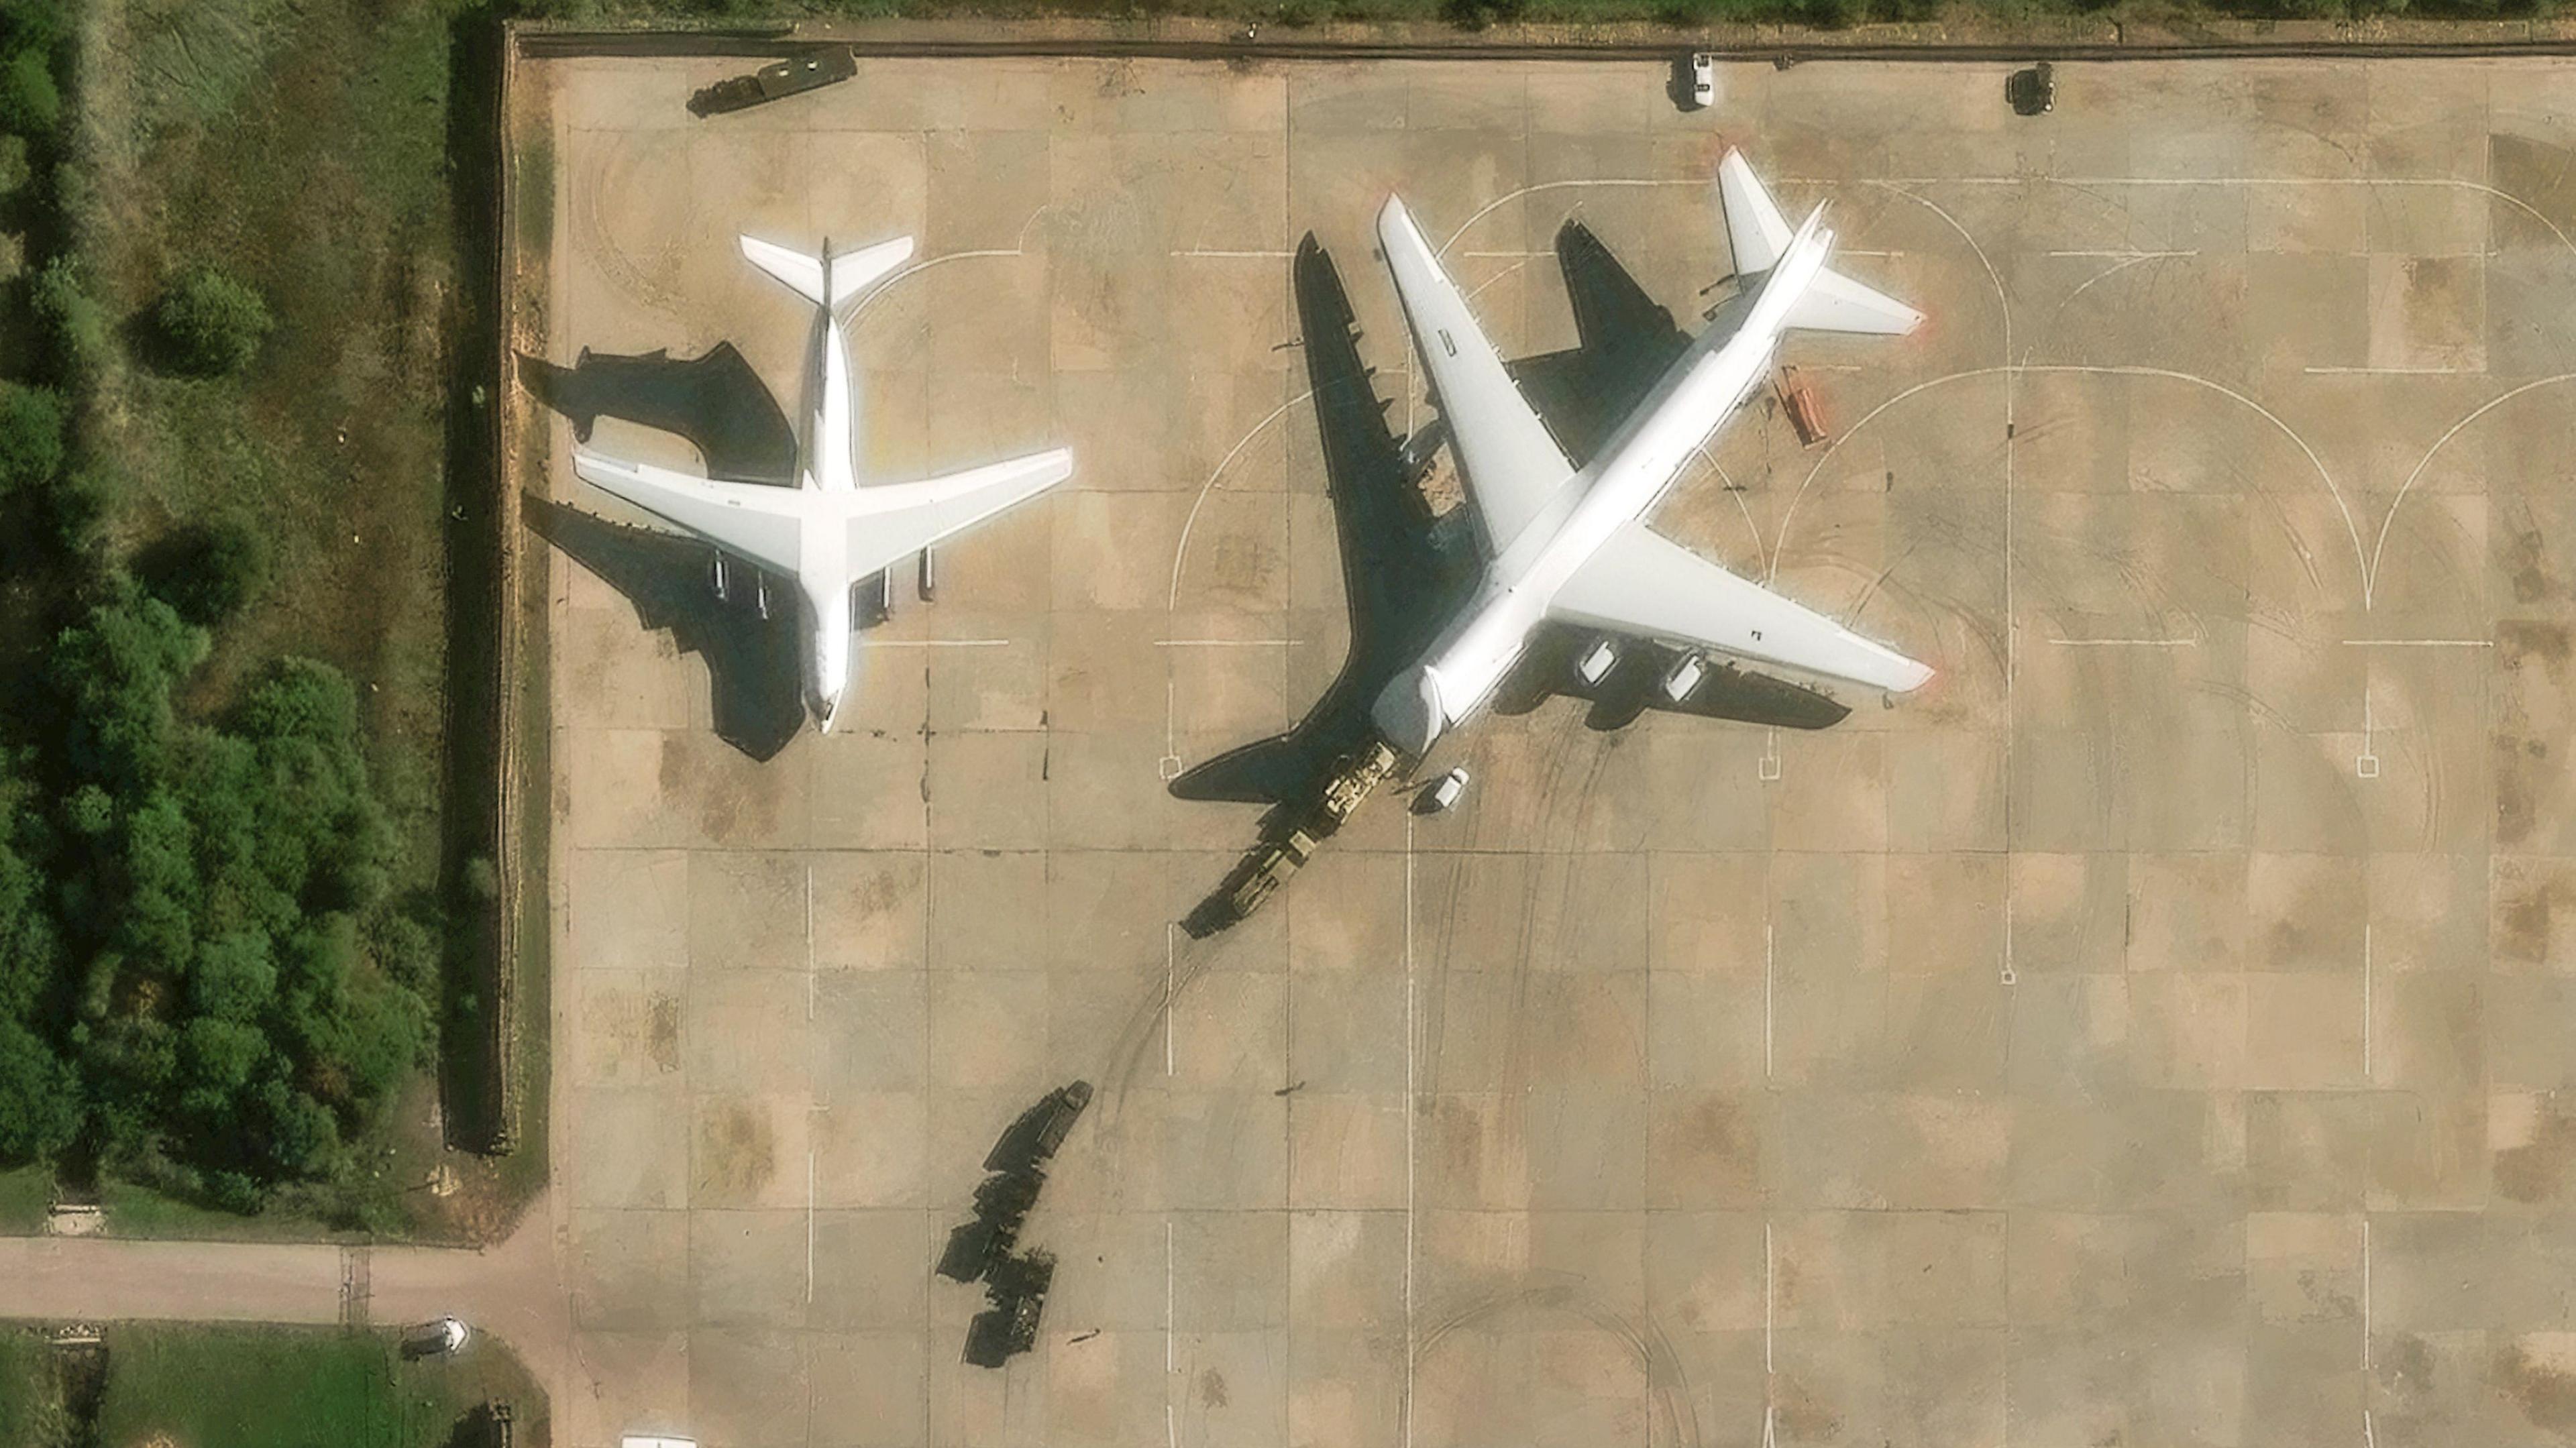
1410	1111
1220	252
1171	986
935	643
1479	288
2366	1074
2420	643
1227	643
1767	933
1171	1425
2365	1292
1018	247
2366	766
1516	194
2387	371
1766	1300
2126	643
2481	410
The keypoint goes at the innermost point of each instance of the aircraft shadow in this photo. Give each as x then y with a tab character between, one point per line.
1398	580
716	401
1402	574
720	405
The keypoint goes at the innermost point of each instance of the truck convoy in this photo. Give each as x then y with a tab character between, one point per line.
1292	840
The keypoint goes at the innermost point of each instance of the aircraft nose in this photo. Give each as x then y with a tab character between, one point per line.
1408	712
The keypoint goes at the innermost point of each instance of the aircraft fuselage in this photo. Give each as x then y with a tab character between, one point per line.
824	582
1646	454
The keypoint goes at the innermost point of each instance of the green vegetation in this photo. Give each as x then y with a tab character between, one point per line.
26	1194
30	103
31	436
193	995
224	952
33	1413
290	1388
1477	14
211	323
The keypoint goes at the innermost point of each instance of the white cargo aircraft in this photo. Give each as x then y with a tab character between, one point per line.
828	532
1570	546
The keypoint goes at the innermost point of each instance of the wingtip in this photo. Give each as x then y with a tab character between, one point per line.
1395	222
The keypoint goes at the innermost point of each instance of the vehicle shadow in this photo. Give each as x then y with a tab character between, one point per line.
1404	570
721	407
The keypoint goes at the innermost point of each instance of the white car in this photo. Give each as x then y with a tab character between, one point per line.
1703	81
436	1338
1445	791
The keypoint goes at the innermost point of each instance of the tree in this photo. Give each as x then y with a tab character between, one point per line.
206	571
39	1097
31	435
233	979
15	172
77	322
41	23
113	673
30	105
211	323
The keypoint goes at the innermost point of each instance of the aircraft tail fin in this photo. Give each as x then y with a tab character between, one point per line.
828	281
1761	238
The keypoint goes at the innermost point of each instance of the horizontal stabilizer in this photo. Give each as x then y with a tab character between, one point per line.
1762	239
1835	303
830	283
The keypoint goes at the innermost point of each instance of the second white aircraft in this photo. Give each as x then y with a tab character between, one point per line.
827	532
1569	546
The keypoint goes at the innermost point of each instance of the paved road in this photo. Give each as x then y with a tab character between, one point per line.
514	1291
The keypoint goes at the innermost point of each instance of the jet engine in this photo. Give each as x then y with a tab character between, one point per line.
1683	677
1597	662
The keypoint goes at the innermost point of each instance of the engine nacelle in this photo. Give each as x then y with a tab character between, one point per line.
1597	662
1683	677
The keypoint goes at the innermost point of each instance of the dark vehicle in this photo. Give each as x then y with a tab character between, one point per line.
2033	92
777	81
1017	1289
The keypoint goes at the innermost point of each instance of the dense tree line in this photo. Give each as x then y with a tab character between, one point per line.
200	972
203	983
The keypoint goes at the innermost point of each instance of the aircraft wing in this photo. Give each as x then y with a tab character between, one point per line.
752	521
1511	464
891	522
1647	586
